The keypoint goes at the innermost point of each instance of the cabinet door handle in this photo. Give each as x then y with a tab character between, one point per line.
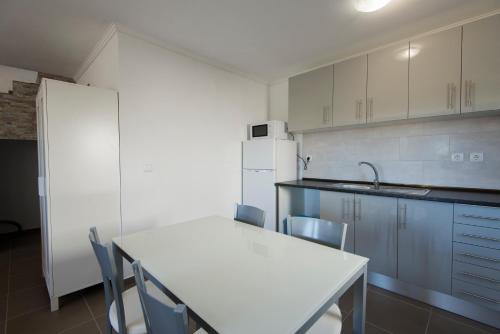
403	216
482	237
448	99
359	107
370	108
357	209
480	217
466	93
474	256
484	278
343	208
453	96
490	300
325	114
471	92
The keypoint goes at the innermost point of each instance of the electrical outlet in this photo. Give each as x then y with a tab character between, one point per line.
148	168
476	156
457	156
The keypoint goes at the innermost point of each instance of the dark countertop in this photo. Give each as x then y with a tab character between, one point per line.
484	197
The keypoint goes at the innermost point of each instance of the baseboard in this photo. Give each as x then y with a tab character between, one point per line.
437	299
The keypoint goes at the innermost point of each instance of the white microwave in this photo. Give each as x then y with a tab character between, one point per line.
268	130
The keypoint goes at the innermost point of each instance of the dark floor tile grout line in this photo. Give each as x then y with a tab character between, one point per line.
28	312
91	313
347	316
428	322
378	327
401	300
75	326
26	288
464	324
22	290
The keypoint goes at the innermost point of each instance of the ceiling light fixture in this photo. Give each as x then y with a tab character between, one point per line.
367	6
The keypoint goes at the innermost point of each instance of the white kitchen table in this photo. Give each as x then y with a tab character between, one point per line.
236	278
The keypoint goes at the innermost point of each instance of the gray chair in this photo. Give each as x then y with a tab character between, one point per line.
249	214
159	317
123	307
327	233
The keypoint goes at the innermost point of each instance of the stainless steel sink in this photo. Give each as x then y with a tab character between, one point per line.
405	190
385	189
353	186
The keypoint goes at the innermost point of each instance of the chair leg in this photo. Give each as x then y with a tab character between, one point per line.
54	304
109	328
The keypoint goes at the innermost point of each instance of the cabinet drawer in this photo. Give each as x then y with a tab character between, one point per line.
477	294
481	256
476	235
489	278
477	215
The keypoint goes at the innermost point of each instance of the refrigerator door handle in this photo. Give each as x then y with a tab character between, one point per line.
41	186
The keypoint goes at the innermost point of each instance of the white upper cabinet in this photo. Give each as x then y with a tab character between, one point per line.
349	92
481	65
310	100
435	65
387	90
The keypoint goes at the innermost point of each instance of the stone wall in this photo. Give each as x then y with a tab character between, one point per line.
17	112
18	109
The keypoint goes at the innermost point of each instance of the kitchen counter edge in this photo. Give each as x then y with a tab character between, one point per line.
485	197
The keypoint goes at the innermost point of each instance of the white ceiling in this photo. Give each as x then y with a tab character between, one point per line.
267	39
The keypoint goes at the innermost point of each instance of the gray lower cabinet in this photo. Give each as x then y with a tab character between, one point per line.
376	233
425	244
339	207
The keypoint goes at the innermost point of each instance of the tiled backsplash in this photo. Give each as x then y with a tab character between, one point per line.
416	153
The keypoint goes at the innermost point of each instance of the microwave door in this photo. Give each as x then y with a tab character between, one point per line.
259	131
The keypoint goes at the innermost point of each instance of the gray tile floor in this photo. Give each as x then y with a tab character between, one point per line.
24	304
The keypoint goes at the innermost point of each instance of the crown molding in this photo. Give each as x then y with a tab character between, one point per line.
118	28
110	31
187	53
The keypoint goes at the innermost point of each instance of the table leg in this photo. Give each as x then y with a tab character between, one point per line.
119	265
359	312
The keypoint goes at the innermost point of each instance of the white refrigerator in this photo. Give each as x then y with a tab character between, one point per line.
266	161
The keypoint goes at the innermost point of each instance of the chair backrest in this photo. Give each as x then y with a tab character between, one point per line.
250	215
112	286
159	317
325	232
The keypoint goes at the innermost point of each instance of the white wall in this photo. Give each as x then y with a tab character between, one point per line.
103	71
183	120
187	120
278	101
9	74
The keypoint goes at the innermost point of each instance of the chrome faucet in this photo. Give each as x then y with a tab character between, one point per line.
376	183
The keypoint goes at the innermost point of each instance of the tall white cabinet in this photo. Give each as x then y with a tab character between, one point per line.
79	181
